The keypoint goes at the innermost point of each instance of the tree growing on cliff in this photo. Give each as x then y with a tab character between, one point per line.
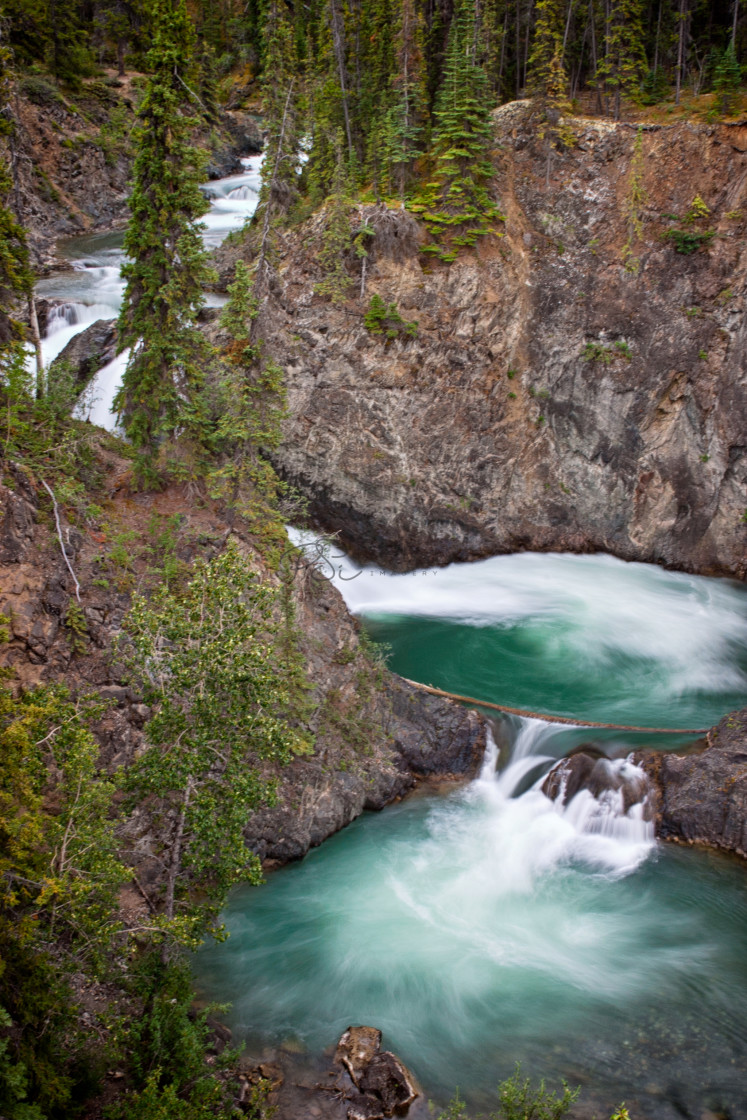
456	203
624	59
727	78
167	268
207	659
16	281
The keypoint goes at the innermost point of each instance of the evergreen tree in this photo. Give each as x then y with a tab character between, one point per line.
336	239
167	265
455	203
727	78
407	114
547	75
16	280
624	60
282	96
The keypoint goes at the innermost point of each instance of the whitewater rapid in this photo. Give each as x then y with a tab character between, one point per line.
93	289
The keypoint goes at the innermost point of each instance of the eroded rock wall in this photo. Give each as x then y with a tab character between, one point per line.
553	398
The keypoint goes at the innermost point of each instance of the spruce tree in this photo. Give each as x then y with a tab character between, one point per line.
282	96
407	114
167	266
456	203
727	78
16	280
547	75
624	60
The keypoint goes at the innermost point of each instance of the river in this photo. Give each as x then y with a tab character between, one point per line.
93	288
487	926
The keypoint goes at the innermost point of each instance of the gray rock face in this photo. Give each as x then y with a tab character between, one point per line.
553	397
701	797
89	351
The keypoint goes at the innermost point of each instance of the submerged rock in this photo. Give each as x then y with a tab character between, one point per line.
701	796
587	768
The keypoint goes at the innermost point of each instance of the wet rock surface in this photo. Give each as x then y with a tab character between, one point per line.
701	796
88	351
587	768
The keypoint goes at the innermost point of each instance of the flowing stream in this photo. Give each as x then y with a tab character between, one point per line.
93	288
488	925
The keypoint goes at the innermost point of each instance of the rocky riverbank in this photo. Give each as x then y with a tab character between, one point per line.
374	735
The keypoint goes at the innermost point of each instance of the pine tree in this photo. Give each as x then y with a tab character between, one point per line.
547	75
336	240
167	265
624	60
727	78
455	203
282	95
407	115
16	280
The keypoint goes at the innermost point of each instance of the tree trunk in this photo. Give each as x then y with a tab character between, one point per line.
36	339
680	52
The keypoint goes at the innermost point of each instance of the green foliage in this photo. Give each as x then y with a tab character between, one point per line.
16	280
623	60
727	78
337	236
687	241
455	203
167	267
383	319
654	87
634	203
206	658
598	352
59	879
518	1100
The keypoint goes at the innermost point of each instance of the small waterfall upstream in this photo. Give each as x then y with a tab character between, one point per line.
93	288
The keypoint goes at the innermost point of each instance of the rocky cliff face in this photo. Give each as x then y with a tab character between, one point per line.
553	397
701	797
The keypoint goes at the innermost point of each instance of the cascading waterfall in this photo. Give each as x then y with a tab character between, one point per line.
94	288
492	924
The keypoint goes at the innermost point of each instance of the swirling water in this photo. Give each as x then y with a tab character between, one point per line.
488	925
93	288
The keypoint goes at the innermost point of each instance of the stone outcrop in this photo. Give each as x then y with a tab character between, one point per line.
88	351
568	388
701	796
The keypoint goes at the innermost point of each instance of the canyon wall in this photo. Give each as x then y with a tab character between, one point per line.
575	384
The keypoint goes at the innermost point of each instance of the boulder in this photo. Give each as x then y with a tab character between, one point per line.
89	351
356	1049
385	1085
701	796
588	768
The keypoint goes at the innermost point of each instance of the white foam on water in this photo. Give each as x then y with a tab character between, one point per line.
591	607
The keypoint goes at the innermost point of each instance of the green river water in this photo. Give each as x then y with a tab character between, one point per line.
487	926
